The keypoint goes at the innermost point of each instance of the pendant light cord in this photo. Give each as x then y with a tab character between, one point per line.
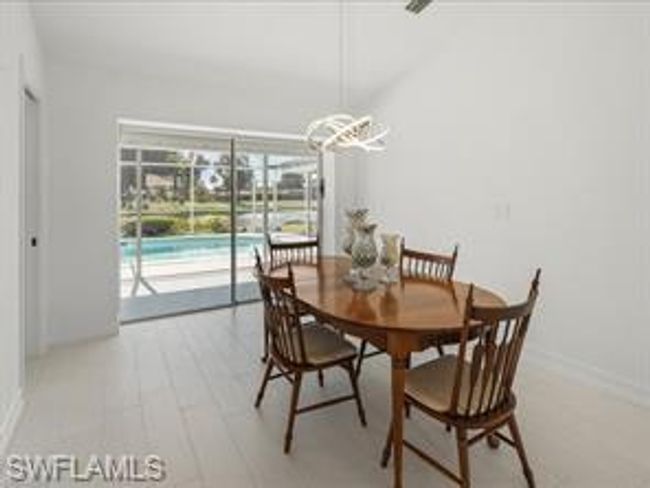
342	57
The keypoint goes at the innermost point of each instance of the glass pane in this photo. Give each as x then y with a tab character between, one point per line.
185	224
128	219
293	185
249	208
166	224
211	223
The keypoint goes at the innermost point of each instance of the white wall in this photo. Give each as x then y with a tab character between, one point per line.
19	65
82	187
524	137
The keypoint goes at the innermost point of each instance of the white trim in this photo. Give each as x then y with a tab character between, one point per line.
213	131
587	374
8	426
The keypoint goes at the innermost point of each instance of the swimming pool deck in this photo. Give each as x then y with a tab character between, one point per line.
187	284
180	275
184	285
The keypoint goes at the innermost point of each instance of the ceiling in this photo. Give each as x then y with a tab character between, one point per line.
287	40
292	39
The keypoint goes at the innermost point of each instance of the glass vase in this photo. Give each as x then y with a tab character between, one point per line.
356	218
389	257
364	255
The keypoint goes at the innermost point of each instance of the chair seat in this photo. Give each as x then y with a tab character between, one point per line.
323	345
432	384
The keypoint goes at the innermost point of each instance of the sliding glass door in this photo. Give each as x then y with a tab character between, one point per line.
194	206
278	194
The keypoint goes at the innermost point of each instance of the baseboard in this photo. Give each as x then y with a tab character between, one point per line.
587	374
10	422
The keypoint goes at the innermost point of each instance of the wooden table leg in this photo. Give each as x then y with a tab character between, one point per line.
399	366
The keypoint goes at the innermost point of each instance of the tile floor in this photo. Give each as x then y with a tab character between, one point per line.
183	388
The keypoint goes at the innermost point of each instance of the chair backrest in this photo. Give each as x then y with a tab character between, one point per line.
488	354
281	313
424	265
296	252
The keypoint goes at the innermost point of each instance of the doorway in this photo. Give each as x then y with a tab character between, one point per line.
31	227
195	203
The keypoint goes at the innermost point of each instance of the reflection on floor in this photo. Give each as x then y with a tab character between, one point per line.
184	387
165	304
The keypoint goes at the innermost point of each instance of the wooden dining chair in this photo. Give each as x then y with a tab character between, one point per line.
427	266
296	350
295	252
306	319
419	265
472	391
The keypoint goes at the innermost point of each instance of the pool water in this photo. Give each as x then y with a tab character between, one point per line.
190	247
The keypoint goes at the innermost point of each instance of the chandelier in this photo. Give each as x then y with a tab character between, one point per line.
342	131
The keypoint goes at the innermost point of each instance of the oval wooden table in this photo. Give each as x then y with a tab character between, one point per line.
402	318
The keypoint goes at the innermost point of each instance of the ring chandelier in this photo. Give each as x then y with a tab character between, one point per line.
343	131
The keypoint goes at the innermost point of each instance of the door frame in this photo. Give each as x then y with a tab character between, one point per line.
27	95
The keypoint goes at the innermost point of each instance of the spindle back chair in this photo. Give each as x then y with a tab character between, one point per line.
296	252
286	331
296	349
424	265
305	320
473	390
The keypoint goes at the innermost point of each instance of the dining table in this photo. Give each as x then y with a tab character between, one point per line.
399	318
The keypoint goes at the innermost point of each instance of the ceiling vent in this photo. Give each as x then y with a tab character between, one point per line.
417	6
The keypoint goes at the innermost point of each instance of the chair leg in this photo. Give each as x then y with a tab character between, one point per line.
265	356
355	389
407	406
463	456
267	375
519	444
362	352
321	378
441	350
295	394
385	455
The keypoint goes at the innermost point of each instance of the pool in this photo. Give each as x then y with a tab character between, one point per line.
190	247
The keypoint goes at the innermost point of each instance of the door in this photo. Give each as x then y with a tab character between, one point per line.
31	223
277	194
194	206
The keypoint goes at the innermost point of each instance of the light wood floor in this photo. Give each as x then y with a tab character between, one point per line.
184	388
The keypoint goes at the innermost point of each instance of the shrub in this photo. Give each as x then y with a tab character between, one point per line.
180	226
219	225
211	224
152	226
160	226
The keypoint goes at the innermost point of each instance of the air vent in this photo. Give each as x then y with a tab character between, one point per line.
417	6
